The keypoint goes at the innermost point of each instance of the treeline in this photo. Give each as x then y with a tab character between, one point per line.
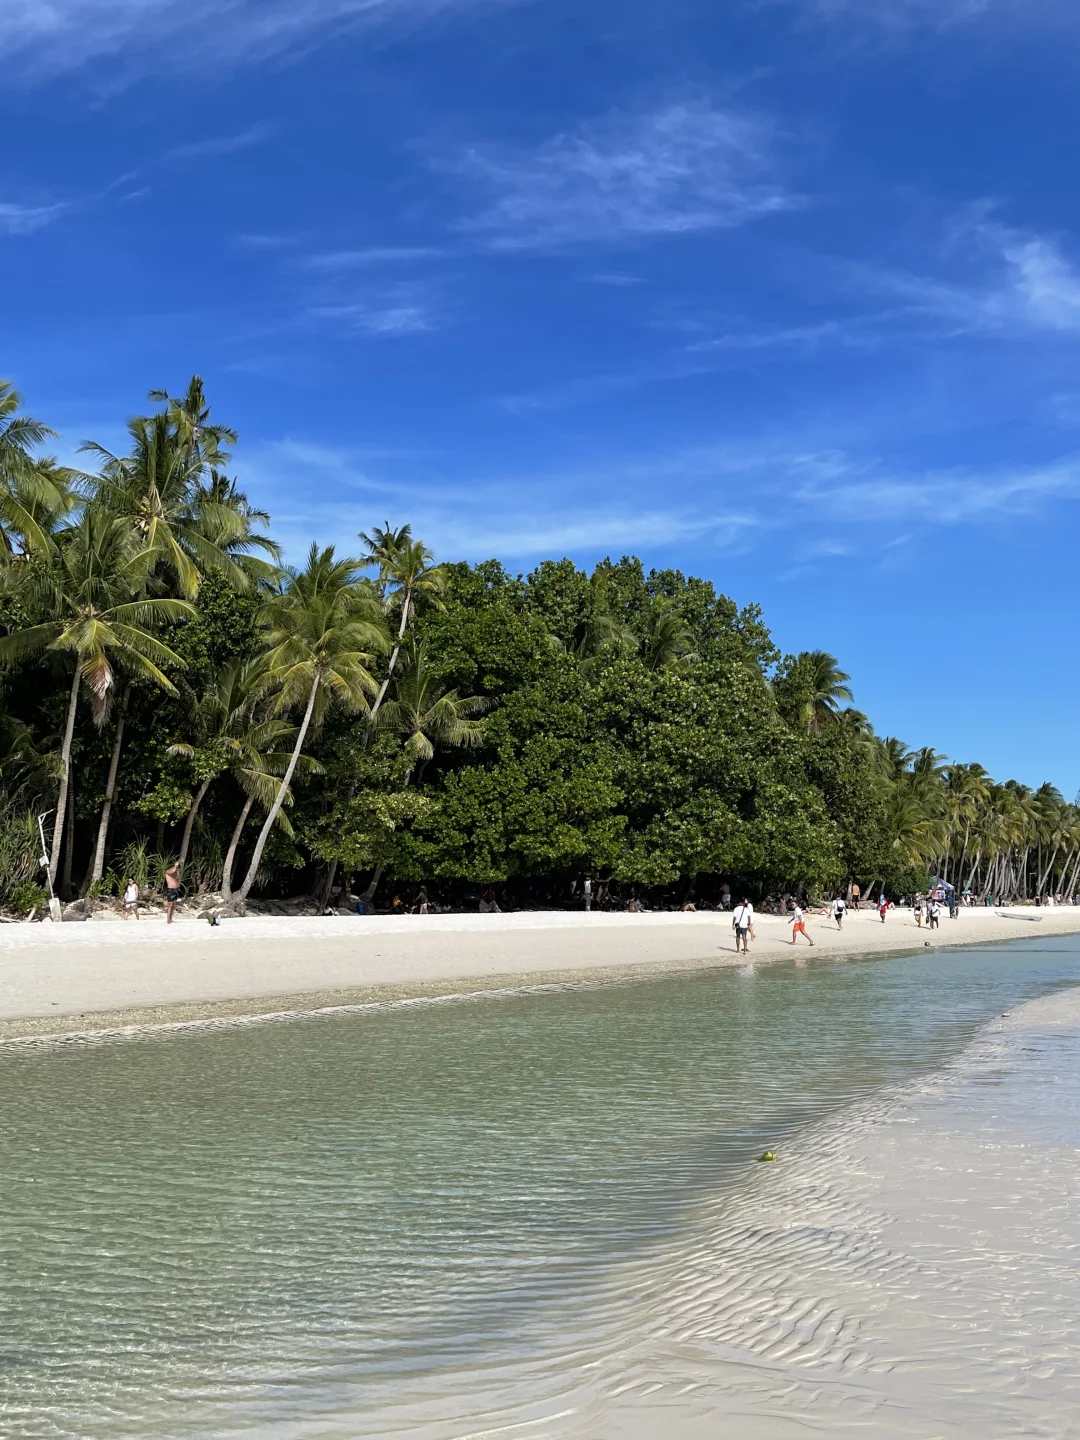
170	689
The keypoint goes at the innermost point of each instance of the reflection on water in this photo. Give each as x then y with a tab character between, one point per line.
417	1220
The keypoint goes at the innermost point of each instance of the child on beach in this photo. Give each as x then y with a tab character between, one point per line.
883	908
798	926
131	899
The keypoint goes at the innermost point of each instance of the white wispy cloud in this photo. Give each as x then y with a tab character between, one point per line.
687	167
387	312
1015	284
835	484
903	14
373	255
330	493
894	19
18	219
727	497
256	134
43	37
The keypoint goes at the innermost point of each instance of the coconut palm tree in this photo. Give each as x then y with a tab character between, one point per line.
35	492
425	714
810	689
228	734
171	489
408	578
321	631
827	687
94	599
668	639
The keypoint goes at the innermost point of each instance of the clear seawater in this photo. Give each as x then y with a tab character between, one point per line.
417	1221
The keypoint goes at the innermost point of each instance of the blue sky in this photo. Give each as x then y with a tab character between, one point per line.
783	292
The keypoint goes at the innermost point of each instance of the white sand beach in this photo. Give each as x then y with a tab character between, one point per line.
110	972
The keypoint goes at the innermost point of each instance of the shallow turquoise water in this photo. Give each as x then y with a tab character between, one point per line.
408	1221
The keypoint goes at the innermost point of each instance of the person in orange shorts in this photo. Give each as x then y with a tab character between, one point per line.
798	926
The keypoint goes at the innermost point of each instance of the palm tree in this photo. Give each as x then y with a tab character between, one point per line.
170	489
321	630
425	714
258	774
407	578
827	687
189	416
35	493
668	640
228	734
94	597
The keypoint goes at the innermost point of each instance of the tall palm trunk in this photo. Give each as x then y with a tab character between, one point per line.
1045	876
1070	889
279	798
230	854
97	867
406	606
65	782
190	820
69	841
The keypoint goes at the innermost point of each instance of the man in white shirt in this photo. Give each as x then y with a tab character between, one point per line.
839	905
742	922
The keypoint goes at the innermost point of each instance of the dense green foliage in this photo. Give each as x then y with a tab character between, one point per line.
169	689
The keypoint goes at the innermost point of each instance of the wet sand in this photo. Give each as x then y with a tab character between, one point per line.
907	1269
110	974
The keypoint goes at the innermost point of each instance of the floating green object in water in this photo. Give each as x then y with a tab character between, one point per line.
767	1156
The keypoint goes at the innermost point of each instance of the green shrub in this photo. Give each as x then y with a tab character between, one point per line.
26	897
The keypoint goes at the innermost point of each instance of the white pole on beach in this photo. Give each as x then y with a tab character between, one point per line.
54	903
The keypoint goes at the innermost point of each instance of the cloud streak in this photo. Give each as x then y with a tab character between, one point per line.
1021	285
256	134
895	18
39	38
25	219
687	168
386	313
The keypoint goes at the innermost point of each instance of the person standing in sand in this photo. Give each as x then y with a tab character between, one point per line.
588	893
883	907
742	922
798	926
131	899
839	905
856	896
172	890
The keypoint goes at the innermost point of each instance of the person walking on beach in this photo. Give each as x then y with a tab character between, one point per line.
131	899
883	907
839	905
742	922
933	914
798	926
172	890
856	896
916	906
588	894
